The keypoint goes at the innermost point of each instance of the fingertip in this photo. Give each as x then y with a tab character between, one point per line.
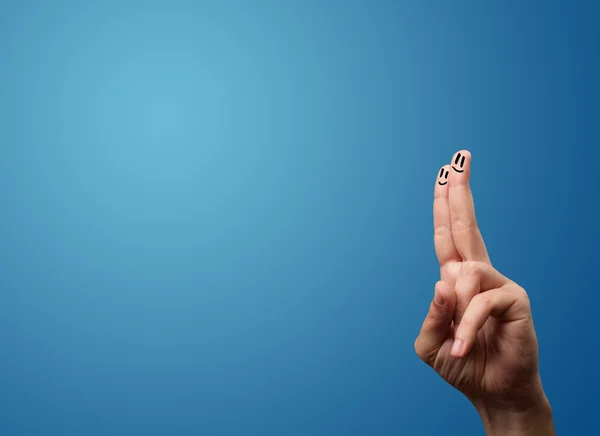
457	157
436	326
441	181
457	348
465	152
460	165
463	341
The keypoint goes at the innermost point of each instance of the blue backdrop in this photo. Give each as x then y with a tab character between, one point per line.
215	216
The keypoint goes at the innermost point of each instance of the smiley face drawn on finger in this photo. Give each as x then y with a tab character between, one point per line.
456	163
443	178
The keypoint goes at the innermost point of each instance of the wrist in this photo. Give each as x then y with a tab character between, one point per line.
524	415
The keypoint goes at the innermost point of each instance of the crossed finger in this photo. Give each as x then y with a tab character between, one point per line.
465	231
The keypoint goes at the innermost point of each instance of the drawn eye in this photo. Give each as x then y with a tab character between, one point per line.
442	172
457	159
446	176
462	162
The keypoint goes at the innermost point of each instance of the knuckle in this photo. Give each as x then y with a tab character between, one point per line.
467	323
441	229
461	225
521	292
433	317
484	301
522	296
471	268
419	347
497	296
426	354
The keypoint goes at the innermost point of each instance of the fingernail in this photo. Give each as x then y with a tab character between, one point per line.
438	299
457	348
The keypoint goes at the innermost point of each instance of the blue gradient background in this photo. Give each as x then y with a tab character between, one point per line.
216	215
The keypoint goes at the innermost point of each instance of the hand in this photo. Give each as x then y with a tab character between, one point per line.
479	334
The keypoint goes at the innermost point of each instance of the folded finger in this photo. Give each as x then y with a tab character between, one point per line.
437	324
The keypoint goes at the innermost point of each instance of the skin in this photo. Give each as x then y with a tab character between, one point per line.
479	334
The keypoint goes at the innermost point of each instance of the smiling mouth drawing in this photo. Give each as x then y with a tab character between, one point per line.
442	175
458	171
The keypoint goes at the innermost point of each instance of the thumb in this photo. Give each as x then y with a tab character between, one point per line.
436	326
